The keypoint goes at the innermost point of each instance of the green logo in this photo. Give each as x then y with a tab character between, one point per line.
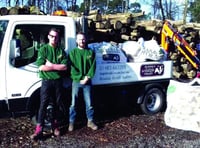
171	89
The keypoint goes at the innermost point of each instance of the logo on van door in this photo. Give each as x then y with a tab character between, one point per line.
152	70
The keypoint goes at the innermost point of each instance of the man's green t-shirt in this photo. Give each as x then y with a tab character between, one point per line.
53	55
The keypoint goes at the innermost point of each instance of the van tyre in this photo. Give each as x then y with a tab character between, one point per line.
153	101
32	106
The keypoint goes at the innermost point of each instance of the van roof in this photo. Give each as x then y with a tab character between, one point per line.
36	18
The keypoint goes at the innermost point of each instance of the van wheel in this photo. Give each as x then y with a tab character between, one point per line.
153	101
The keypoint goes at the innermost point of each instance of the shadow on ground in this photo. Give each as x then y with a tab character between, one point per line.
109	104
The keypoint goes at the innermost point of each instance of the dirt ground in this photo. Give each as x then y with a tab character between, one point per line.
125	130
121	124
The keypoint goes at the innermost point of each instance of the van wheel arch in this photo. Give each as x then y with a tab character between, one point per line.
33	105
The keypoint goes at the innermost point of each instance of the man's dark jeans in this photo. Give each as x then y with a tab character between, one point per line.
51	91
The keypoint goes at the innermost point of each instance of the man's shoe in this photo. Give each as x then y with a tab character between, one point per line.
92	125
56	132
38	133
71	127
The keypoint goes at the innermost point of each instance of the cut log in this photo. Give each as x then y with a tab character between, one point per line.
93	12
125	37
117	24
107	31
73	14
107	24
123	30
99	25
196	25
24	10
138	14
3	11
134	33
176	23
116	16
102	30
13	11
134	38
95	17
34	10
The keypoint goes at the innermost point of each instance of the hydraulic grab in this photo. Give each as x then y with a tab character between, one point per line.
169	33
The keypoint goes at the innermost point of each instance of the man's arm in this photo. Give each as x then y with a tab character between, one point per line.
92	69
50	67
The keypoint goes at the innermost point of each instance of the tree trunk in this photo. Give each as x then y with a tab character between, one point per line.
162	10
185	11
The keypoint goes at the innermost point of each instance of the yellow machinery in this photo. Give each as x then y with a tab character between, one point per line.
169	33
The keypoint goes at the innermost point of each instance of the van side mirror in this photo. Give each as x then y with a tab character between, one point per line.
15	48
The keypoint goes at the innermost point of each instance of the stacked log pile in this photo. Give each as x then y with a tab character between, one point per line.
127	26
190	32
113	27
20	10
124	27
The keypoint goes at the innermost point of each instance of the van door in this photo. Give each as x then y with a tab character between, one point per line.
22	72
3	43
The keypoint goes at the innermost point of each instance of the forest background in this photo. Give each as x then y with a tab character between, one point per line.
186	10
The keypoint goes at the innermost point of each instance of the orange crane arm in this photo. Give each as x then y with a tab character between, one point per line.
168	32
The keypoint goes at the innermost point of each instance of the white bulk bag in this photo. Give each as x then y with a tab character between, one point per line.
183	105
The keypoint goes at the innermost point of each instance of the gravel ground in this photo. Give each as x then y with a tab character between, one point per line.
137	131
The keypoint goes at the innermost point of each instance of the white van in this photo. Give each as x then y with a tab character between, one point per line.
22	35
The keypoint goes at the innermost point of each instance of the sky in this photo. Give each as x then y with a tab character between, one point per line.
144	6
147	6
79	2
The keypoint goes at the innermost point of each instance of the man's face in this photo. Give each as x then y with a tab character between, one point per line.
80	41
53	38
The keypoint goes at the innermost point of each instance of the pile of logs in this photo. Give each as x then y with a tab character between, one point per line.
123	27
20	10
116	27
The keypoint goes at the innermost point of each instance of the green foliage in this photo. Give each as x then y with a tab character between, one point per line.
114	3
82	7
194	9
135	7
